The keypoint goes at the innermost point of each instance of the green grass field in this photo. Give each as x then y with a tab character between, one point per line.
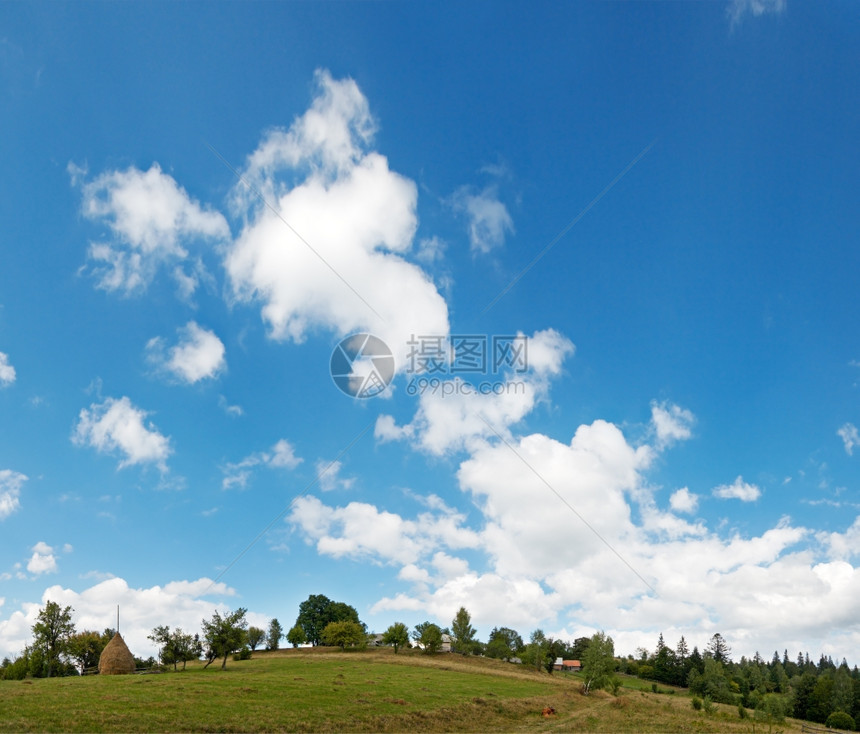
323	690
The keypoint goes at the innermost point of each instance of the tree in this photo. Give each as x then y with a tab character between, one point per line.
52	631
274	635
463	632
161	636
504	643
85	648
720	650
397	635
296	636
255	637
598	663
317	611
535	651
428	636
224	635
343	634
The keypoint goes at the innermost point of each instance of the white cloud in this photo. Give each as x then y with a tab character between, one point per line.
458	416
178	603
7	371
10	491
42	560
152	220
850	437
281	456
683	500
329	476
234	411
738	490
737	9
671	423
357	215
488	217
117	425
362	531
198	355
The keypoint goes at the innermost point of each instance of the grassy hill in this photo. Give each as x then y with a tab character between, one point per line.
326	690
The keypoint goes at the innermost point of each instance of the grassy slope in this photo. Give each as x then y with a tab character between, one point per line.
324	690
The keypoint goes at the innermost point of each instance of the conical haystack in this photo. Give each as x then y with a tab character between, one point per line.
116	658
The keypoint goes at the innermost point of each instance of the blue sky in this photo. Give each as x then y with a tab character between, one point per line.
201	200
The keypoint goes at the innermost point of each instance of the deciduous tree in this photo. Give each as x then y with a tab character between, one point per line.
224	635
51	633
463	632
343	634
274	635
397	635
598	662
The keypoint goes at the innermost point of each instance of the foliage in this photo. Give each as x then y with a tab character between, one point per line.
708	705
463	632
344	633
504	643
51	634
224	635
598	663
317	611
696	703
840	720
296	636
85	648
274	635
175	647
397	635
256	636
428	636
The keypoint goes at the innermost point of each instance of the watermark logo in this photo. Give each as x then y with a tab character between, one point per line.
362	365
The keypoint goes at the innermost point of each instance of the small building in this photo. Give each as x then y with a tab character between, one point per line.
558	664
571	666
375	640
446	643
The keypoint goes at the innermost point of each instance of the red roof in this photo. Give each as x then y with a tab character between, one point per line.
571	664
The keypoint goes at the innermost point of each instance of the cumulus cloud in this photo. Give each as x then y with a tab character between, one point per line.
850	437
118	426
460	415
488	218
7	371
333	256
198	355
43	559
683	500
362	531
281	456
738	490
738	9
10	491
153	220
178	603
671	423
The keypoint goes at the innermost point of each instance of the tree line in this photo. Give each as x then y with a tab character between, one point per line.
823	692
781	686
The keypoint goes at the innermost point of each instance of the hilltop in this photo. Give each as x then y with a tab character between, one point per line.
323	689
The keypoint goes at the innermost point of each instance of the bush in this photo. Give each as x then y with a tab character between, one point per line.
742	712
243	654
697	703
708	705
653	688
840	720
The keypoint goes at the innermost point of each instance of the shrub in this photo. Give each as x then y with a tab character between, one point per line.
840	720
708	705
697	703
653	688
243	654
742	712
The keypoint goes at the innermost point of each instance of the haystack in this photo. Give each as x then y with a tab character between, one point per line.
116	658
